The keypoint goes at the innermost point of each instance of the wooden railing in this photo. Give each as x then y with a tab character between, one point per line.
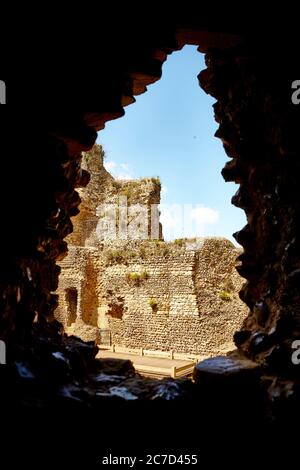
153	353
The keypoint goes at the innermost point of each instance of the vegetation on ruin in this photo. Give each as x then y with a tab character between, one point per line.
156	180
225	295
119	256
162	248
145	249
179	241
153	179
127	192
153	303
95	152
142	252
166	250
134	277
137	277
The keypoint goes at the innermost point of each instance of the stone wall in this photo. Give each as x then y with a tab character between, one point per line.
180	296
179	305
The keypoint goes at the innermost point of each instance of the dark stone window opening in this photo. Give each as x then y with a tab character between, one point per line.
71	300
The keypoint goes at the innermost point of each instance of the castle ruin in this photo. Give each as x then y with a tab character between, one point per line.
143	292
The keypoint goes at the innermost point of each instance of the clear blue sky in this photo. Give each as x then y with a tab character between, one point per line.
169	132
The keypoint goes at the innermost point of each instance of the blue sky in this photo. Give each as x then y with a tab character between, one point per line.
169	132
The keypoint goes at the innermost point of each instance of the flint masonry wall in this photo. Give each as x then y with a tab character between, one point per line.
180	296
181	304
78	300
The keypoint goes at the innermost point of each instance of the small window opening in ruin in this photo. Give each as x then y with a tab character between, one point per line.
71	301
152	244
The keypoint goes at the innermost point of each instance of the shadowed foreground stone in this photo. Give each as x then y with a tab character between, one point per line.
226	380
224	368
229	389
58	371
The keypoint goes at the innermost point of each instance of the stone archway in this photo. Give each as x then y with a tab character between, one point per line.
71	299
258	126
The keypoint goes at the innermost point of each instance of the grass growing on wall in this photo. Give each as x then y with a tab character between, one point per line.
136	277
153	303
225	295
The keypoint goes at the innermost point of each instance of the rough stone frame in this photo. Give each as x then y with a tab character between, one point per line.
258	127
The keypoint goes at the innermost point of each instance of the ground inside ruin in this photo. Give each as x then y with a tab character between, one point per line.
149	366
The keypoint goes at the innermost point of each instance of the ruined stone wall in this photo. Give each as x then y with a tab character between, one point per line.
187	302
159	295
80	277
263	154
104	191
180	296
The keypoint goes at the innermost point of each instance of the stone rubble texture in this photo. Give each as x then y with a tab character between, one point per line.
186	279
